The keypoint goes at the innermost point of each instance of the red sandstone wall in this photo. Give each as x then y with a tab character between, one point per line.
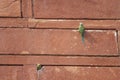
45	32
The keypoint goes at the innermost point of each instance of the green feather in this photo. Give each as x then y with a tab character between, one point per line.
82	31
39	66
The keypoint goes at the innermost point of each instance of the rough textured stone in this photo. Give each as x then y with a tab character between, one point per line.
79	73
10	8
11	73
13	22
27	8
88	24
58	42
57	45
119	41
96	9
60	60
30	72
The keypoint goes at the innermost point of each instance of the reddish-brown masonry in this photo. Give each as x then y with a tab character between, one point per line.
45	32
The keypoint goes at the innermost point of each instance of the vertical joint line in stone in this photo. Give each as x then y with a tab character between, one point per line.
32	2
118	39
21	9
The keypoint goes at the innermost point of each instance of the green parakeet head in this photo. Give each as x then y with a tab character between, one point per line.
81	28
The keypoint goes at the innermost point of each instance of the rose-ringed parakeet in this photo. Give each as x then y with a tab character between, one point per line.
39	66
82	31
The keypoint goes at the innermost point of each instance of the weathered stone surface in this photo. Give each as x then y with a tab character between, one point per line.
11	73
27	8
79	73
10	8
119	41
30	72
102	9
13	22
58	42
88	24
60	60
